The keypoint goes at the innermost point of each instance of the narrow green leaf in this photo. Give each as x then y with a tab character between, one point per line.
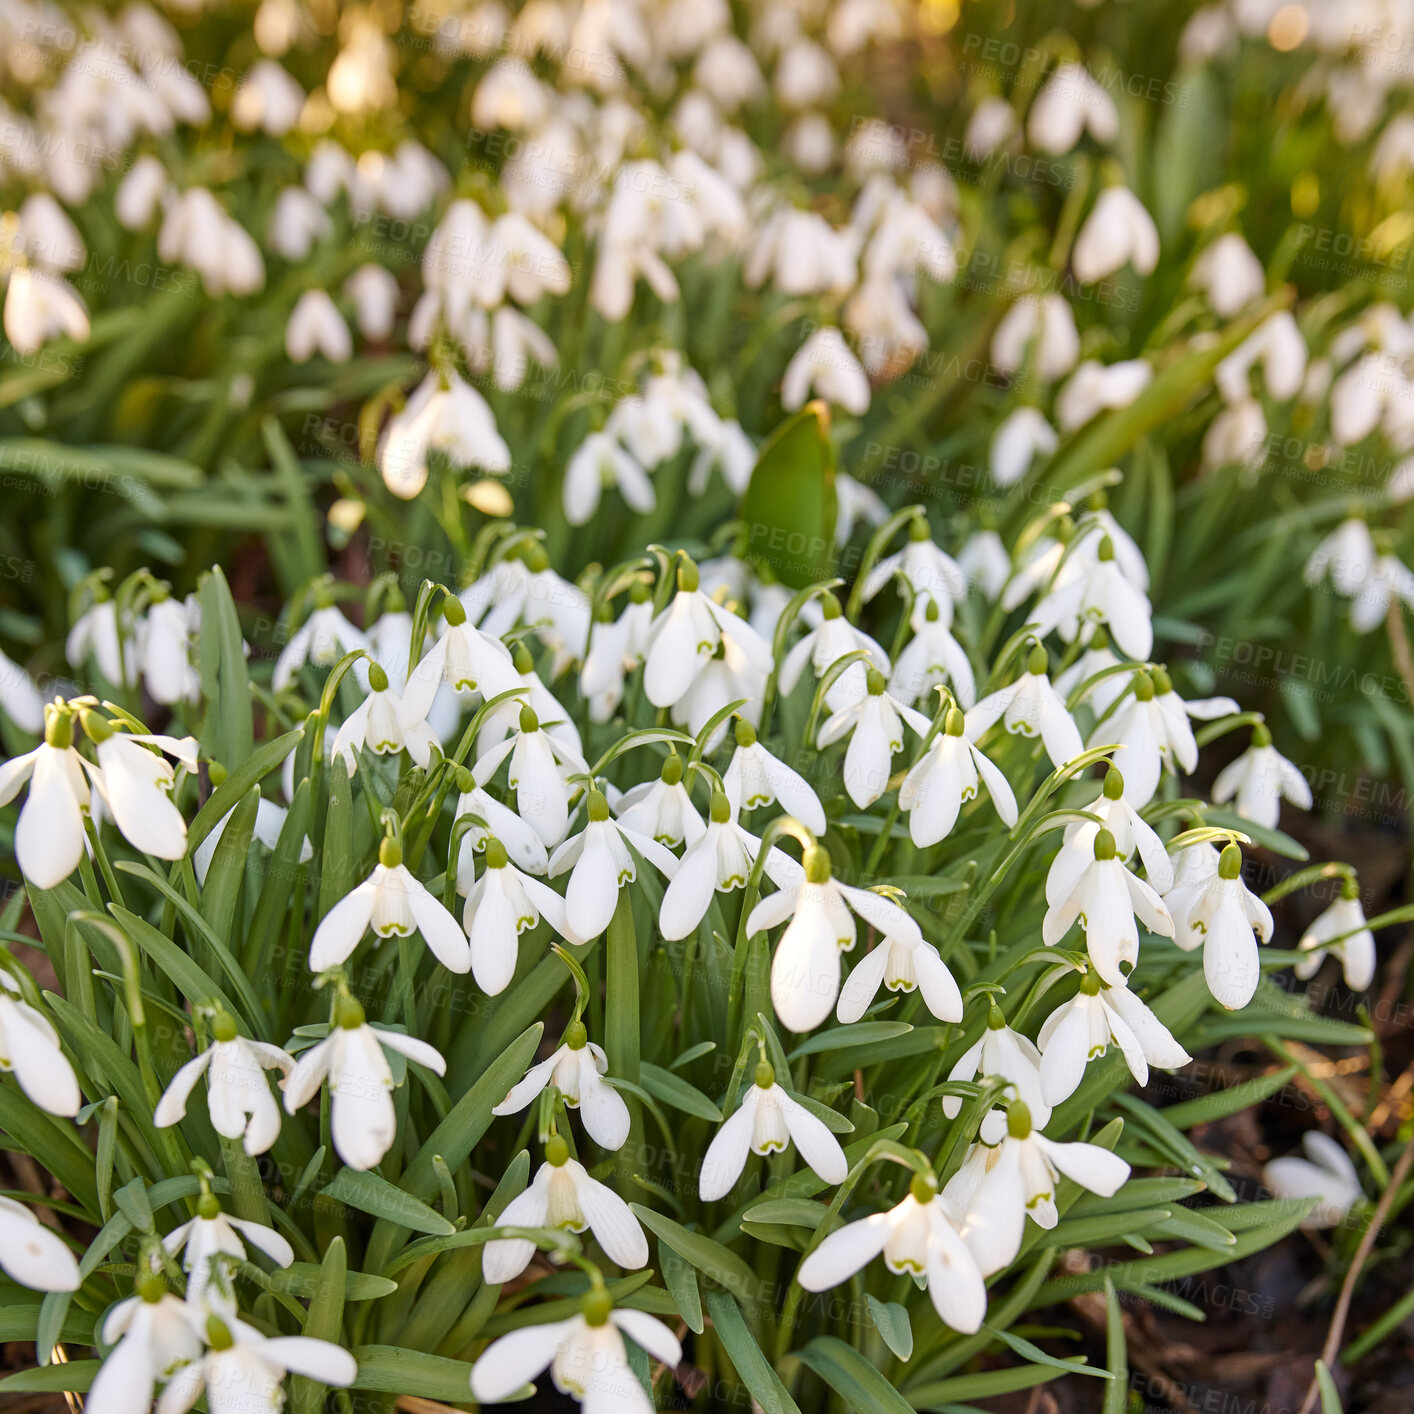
751	1363
891	1321
374	1195
852	1377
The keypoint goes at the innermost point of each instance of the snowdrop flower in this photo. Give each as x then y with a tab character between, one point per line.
1340	931
598	462
47	236
32	1254
152	1337
802	254
360	1082
163	650
396	905
243	1370
523	845
901	965
98	634
662	809
1390	580
1347	555
539	764
998	1188
992	124
444	414
1097	658
374	292
29	1050
297	221
316	326
238	1098
718	860
1097	592
586	1356
269	98
1082	1029
874	724
1132	833
523	589
947	774
1237	436
930	572
616	647
140	192
1212	908
1048	320
985	562
1029	707
1096	387
197	231
805	76
135	784
20	699
766	1122
1089	883
1277	346
577	1071
500	906
1118	231
49	838
858	504
1259	780
600	865
324	637
211	1236
38	307
465	657
562	1194
1325	1173
917	1237
1016	443
1229	274
830	640
1004	1053
1071	102
825	367
384	724
805	975
685	637
270	819
754	777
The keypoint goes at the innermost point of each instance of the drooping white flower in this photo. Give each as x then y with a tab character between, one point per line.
598	462
833	638
444	414
1097	592
1117	232
985	562
98	633
992	124
1212	908
1098	387
616	647
917	1237
1082	1030
500	906
20	699
243	1370
901	964
324	637
1237	436
1022	436
802	254
140	192
766	1122
754	777
164	639
211	1237
1325	1173
1001	1053
29	1049
1029	707
539	765
269	98
1131	832
576	1070
32	1254
874	724
1340	931
1047	319
238	1098
39	306
1347	555
1259	780
395	904
464	657
135	784
523	845
1229	274
316	326
1088	883
600	864
1070	103
930	572
947	774
351	1058
523	590
997	1188
805	974
825	367
384	724
374	292
1277	346
562	1194
49	837
297	221
152	1337
686	636
1097	658
585	1354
